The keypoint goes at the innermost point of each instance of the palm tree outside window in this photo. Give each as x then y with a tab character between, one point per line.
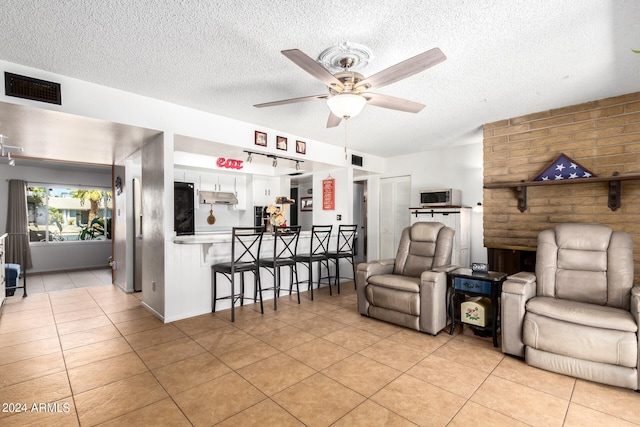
63	214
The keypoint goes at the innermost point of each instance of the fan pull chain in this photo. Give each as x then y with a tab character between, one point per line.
346	121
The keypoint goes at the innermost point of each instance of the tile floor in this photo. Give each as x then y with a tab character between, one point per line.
96	357
63	280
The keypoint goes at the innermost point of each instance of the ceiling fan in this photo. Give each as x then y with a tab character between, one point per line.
349	90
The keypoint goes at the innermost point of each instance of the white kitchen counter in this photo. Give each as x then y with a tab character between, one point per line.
189	260
223	237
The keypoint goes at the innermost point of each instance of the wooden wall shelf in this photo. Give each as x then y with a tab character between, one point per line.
614	184
436	210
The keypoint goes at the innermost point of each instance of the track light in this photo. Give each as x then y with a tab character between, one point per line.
5	150
275	158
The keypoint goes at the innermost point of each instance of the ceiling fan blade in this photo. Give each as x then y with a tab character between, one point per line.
404	69
392	102
333	120
307	63
291	101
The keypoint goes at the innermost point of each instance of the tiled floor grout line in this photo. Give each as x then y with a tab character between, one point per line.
73	394
64	361
316	314
316	372
213	355
324	314
320	372
155	376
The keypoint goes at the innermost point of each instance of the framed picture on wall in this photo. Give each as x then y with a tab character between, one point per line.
261	139
301	147
306	203
281	143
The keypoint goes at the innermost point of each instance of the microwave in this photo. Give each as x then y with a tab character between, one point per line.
446	197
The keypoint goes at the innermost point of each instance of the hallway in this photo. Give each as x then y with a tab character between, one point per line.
65	280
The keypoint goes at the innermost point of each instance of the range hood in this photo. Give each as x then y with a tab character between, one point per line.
217	198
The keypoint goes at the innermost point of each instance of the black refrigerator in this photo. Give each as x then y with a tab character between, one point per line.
183	208
260	216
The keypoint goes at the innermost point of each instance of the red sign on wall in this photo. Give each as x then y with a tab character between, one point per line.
329	194
229	163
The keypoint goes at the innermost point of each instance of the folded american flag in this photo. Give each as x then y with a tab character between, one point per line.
563	167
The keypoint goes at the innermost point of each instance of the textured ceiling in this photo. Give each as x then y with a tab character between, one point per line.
504	58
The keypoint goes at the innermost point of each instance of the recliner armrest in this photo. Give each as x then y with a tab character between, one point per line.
382	266
520	284
523	277
433	301
516	291
635	303
363	272
446	268
431	275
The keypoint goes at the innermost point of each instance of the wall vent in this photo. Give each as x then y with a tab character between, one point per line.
356	160
30	88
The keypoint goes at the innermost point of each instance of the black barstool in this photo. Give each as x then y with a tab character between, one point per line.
285	245
345	249
318	248
245	250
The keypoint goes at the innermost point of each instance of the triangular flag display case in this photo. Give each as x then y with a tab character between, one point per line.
563	167
563	170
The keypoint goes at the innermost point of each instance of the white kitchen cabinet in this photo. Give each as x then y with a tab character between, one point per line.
265	190
203	181
457	218
226	183
239	188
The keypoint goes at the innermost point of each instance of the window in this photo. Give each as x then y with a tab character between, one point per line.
59	214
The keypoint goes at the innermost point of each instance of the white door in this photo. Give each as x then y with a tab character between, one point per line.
394	213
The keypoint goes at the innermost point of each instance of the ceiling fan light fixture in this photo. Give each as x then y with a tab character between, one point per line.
346	105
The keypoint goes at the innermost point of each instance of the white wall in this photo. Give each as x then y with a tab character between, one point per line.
62	255
157	224
343	198
132	109
120	230
305	218
457	167
452	167
124	224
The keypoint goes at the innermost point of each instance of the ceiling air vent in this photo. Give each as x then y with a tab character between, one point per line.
30	88
356	160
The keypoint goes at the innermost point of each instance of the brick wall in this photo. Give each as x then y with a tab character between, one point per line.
603	136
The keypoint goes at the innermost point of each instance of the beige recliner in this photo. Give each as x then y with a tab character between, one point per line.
579	314
410	290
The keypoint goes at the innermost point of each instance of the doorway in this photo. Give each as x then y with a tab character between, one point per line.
293	211
360	218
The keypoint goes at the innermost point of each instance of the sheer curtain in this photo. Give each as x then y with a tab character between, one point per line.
18	225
